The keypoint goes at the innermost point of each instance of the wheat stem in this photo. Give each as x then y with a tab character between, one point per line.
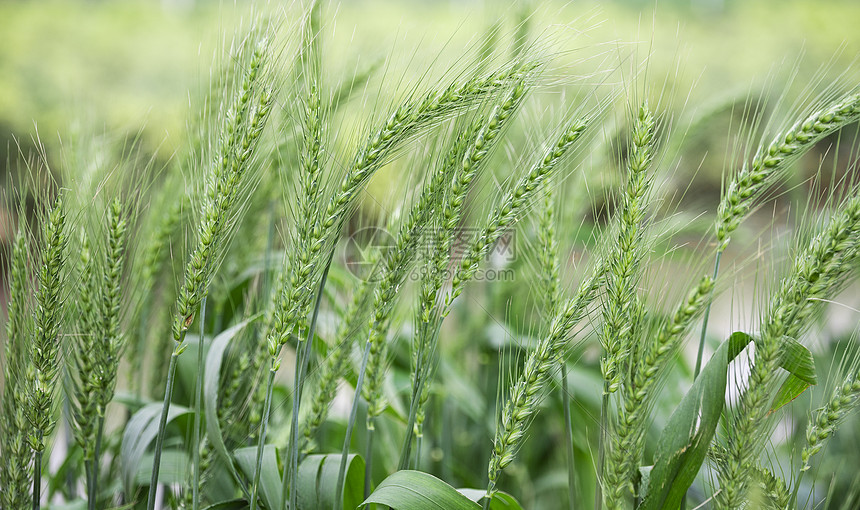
198	407
162	425
258	467
707	314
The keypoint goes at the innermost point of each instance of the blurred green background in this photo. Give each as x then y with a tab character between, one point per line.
130	66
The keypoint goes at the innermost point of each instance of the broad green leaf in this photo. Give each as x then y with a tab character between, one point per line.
415	490
500	501
211	384
174	468
270	477
797	360
684	442
233	504
317	482
792	388
139	433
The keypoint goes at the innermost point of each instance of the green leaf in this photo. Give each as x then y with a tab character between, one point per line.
270	477
211	384
233	504
174	468
684	442
792	388
797	360
317	482
500	501
415	490
139	433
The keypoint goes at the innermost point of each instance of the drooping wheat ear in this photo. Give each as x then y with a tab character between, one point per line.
511	208
628	438
526	393
826	420
46	347
16	471
397	263
625	254
752	180
768	164
228	182
445	222
335	364
295	293
244	125
817	273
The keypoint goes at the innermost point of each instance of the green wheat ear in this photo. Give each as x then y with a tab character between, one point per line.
45	354
16	471
818	272
47	319
772	159
825	420
623	262
527	392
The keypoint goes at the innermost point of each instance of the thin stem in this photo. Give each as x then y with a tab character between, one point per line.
488	498
88	469
568	439
162	425
338	500
793	501
410	422
705	319
263	425
94	490
37	478
418	441
368	459
304	354
422	371
601	448
198	406
71	482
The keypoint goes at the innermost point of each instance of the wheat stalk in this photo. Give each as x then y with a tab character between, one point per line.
16	471
229	178
527	391
47	340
